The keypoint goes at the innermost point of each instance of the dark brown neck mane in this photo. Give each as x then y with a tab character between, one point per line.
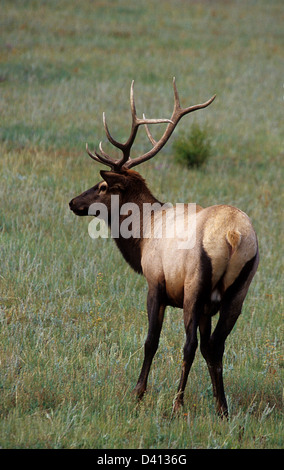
137	192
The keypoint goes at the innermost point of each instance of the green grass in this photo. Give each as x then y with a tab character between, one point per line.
72	313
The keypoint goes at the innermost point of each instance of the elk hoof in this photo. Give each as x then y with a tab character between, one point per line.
177	406
139	392
223	412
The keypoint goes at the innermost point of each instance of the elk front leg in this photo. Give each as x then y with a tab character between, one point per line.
155	309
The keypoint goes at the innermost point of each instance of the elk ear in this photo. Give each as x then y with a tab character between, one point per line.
114	180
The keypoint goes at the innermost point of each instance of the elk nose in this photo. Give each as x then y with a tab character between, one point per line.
71	204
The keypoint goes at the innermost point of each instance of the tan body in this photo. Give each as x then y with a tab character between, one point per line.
211	275
227	236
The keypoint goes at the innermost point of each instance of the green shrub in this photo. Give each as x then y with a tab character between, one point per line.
193	149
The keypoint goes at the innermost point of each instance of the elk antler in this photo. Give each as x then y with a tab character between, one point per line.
125	161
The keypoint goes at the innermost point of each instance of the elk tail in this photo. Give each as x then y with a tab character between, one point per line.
233	238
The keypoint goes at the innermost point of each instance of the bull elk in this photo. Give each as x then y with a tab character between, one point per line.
212	276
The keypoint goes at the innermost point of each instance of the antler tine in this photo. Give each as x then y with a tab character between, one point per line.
105	159
182	111
104	153
110	138
132	103
197	106
150	137
176	95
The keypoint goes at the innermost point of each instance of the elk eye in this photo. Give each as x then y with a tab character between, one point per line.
103	187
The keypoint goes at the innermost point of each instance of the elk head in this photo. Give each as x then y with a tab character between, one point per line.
121	180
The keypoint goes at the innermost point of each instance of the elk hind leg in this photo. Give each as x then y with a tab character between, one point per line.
212	347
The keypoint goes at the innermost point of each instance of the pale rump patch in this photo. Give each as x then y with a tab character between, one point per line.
230	242
244	253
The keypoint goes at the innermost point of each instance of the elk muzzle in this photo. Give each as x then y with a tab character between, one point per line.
78	206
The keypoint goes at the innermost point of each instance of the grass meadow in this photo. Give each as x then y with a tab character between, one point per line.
72	313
